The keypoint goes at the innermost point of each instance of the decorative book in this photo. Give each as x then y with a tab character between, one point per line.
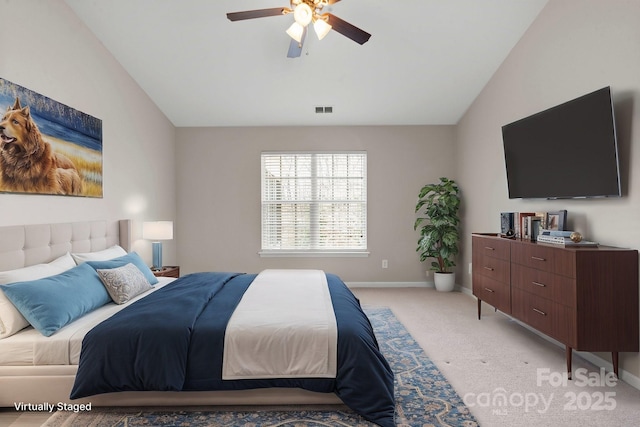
563	241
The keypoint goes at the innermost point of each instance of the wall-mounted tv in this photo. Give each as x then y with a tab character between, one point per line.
567	151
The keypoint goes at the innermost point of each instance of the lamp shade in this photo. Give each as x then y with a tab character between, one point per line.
321	28
157	230
295	31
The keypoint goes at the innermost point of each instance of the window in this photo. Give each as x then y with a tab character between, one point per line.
314	203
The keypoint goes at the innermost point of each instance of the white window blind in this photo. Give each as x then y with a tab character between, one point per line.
314	202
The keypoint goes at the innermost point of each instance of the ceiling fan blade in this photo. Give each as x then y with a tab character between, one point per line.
348	30
295	48
260	13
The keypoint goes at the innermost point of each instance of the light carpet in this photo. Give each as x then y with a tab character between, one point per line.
423	397
506	374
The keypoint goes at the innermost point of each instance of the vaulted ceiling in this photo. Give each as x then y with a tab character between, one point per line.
426	61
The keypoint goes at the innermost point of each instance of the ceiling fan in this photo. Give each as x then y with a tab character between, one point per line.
306	12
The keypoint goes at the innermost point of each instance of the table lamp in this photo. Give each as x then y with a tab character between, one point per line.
157	231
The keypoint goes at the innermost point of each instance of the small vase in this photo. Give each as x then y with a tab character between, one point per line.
444	282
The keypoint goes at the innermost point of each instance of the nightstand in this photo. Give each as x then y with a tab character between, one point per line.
167	271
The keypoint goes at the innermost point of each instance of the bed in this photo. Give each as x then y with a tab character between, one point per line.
56	368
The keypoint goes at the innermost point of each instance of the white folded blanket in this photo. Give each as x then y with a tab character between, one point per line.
284	327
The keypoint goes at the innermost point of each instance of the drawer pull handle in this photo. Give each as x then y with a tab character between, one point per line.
489	290
490	248
489	268
539	311
537	258
542	285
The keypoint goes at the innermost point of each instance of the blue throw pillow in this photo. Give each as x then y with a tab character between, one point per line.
50	303
133	258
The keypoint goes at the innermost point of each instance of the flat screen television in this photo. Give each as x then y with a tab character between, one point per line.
567	151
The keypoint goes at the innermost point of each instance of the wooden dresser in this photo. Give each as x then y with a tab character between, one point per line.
586	298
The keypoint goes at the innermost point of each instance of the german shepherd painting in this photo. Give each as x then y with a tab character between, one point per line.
28	163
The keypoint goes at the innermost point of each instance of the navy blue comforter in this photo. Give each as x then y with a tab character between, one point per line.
172	340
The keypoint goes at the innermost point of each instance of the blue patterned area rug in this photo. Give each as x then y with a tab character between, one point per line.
423	398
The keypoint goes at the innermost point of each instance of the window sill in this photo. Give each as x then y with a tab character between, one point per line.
318	254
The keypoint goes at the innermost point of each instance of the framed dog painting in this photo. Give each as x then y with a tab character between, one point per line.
47	147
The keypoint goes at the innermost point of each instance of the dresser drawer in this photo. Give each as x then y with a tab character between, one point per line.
492	292
492	268
545	258
560	289
553	319
491	246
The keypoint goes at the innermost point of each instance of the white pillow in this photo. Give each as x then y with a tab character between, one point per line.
11	320
124	283
64	263
103	255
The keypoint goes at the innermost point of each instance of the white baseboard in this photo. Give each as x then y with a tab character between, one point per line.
466	291
389	284
458	288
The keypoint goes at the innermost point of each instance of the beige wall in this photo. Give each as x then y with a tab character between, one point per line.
574	47
55	55
219	195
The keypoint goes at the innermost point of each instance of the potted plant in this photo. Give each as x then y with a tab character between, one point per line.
439	234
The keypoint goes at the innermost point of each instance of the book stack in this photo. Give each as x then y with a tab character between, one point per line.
562	238
529	225
522	225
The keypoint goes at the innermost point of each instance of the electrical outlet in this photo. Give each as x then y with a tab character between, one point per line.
428	273
385	263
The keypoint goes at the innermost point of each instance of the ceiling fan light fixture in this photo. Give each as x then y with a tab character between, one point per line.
321	28
295	31
303	14
306	12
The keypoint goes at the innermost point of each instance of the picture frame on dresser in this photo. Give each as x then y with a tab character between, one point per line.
556	220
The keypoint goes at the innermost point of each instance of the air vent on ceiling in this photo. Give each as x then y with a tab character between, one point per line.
324	110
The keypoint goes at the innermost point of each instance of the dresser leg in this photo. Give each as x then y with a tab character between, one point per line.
479	308
614	360
569	351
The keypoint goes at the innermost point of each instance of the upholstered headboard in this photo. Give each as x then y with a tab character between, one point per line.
25	245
